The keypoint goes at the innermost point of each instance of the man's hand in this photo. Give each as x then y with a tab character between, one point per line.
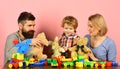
36	42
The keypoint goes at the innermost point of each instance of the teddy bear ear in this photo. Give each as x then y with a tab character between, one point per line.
41	35
86	40
56	39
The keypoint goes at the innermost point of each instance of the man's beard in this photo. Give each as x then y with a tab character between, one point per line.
28	34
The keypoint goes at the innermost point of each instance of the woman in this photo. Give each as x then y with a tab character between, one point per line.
100	44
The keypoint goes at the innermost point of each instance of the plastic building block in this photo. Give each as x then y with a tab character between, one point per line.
24	64
27	63
49	61
10	65
89	64
45	63
20	64
103	65
15	65
65	64
54	62
16	60
79	64
26	59
81	60
79	57
66	59
59	62
18	56
74	58
15	41
13	55
114	63
31	61
37	64
23	47
108	64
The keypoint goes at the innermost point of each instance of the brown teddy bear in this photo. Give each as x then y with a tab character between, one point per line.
56	48
80	48
38	51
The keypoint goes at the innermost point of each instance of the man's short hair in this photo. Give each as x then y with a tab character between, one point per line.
25	16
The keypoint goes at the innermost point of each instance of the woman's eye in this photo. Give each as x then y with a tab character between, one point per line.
90	26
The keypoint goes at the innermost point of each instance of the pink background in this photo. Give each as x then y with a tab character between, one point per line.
49	14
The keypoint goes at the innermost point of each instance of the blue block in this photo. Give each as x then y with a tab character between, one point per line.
36	64
31	65
81	61
24	64
23	47
42	60
114	63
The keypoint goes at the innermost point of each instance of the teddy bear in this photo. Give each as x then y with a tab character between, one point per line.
56	48
38	51
80	48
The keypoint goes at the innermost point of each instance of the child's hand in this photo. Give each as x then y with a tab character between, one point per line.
65	48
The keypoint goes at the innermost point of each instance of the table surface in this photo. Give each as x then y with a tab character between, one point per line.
49	67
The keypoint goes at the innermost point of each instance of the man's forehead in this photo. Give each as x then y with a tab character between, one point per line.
30	22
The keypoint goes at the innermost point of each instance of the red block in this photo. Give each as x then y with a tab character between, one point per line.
109	64
15	41
16	60
15	65
45	63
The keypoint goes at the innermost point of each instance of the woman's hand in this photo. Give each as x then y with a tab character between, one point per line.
90	54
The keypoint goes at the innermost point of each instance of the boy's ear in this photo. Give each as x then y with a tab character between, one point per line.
20	26
75	30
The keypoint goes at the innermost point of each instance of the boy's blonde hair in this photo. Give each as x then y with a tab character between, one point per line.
98	22
70	20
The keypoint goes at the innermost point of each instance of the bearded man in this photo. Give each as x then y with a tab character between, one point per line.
26	23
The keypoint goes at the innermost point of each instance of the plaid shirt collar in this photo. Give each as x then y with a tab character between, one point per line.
71	36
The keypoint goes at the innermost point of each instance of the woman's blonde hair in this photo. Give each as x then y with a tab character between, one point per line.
70	20
98	22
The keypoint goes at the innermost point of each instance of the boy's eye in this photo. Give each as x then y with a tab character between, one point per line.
71	28
66	28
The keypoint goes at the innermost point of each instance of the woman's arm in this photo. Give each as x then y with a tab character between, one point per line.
91	55
112	51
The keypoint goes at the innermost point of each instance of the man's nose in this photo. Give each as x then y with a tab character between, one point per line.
88	29
32	28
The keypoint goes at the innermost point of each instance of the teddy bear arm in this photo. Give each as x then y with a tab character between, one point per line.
72	48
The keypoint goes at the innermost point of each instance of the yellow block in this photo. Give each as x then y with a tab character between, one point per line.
79	64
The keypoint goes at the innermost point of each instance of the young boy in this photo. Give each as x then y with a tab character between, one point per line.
69	37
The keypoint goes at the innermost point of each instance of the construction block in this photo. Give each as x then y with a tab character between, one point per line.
114	63
10	65
20	64
109	64
79	64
